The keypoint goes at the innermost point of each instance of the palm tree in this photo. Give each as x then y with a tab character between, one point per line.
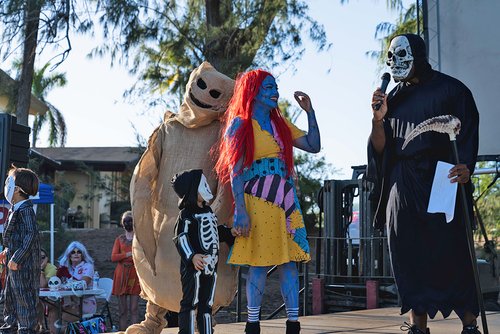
410	20
41	86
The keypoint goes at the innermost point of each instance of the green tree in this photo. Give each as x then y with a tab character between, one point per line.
28	23
162	40
43	83
487	194
410	20
311	170
166	40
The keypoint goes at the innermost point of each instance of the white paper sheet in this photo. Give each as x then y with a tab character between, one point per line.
443	193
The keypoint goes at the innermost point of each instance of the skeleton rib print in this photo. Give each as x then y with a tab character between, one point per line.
209	240
208	231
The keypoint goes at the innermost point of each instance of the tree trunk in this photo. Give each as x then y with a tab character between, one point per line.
234	51
34	132
213	13
31	22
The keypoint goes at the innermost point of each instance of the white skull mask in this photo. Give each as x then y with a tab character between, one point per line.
204	189
54	283
400	58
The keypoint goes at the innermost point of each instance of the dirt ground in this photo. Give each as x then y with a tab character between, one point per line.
100	243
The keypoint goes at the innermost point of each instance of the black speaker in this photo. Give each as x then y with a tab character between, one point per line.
14	145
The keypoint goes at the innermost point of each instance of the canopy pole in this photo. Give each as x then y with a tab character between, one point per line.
52	233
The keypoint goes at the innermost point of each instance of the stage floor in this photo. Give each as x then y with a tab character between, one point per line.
377	321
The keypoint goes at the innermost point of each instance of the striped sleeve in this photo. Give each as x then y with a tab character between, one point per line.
27	218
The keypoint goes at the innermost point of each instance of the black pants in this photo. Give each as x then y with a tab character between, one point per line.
198	291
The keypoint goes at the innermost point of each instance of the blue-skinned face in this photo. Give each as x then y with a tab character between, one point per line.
268	95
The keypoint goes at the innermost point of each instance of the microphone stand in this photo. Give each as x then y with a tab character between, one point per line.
470	238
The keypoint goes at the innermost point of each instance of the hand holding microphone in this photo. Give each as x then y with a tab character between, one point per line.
379	102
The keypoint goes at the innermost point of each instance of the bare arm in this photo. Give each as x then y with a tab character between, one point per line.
377	135
241	218
44	282
87	280
312	141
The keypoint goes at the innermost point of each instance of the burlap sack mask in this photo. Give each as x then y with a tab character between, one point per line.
207	94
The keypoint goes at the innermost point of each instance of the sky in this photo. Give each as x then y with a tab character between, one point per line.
340	83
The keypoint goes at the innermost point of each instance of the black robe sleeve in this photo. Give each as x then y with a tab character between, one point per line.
375	172
468	138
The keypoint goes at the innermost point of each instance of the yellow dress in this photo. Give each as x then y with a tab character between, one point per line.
271	241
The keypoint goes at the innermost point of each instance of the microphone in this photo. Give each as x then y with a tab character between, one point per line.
386	78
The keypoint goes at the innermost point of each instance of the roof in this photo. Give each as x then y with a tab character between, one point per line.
101	158
37	107
35	154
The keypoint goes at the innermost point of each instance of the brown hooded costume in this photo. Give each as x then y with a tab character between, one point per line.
183	141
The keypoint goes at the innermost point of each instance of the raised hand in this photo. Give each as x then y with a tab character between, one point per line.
303	100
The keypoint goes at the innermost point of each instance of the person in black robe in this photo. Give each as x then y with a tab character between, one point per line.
429	256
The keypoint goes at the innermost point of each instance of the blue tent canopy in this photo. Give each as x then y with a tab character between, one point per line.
46	194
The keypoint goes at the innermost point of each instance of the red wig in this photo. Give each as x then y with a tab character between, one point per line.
241	144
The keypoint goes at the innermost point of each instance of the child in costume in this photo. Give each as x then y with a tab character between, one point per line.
256	157
197	239
21	253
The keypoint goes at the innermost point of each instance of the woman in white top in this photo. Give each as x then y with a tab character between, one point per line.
75	264
78	265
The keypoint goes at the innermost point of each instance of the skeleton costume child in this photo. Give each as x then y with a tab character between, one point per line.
197	232
429	256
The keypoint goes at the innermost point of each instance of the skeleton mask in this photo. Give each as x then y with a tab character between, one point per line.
207	95
54	283
400	58
204	189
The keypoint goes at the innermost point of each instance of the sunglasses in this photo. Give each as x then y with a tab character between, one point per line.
43	257
127	220
77	251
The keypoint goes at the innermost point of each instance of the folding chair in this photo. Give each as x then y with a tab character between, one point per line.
104	312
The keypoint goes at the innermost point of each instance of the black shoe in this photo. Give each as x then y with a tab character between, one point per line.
252	327
292	327
412	329
471	329
8	329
